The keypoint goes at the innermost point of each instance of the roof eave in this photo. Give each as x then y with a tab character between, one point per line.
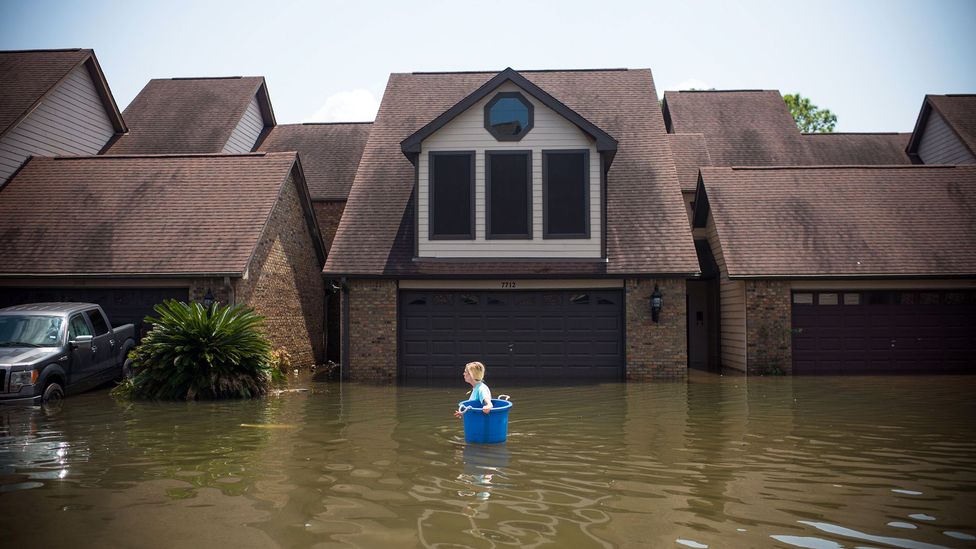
105	93
923	115
851	276
117	275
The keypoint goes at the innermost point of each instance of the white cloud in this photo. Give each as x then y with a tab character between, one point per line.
692	83
357	105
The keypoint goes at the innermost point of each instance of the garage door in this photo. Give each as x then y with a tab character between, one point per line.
122	305
541	335
884	332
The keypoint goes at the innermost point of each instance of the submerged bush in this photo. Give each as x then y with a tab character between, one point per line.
197	353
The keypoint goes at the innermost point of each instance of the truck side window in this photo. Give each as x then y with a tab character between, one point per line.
78	327
98	322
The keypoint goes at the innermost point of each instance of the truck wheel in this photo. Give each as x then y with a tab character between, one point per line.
127	372
53	393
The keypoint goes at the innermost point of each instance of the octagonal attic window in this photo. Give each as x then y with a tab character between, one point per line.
508	116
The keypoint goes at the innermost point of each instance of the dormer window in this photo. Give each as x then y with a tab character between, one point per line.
509	116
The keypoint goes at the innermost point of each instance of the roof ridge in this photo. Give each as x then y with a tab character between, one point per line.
45	50
720	91
855	133
325	123
615	69
208	78
842	167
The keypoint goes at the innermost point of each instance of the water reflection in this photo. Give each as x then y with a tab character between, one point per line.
483	468
715	462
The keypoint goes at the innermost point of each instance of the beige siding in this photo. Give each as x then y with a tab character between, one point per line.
732	308
71	120
940	145
246	133
467	133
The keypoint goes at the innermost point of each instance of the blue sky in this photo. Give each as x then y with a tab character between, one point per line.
871	62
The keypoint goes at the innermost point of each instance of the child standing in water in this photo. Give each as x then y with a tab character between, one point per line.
474	375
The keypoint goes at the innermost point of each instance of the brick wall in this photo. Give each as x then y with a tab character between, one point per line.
372	330
768	322
656	350
328	215
285	284
221	292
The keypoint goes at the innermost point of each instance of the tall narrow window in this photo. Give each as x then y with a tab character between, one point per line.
451	195
509	193
565	194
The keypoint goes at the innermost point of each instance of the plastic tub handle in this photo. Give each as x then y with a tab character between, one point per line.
506	398
463	409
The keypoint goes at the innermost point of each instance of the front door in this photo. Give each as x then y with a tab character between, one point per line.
103	345
82	356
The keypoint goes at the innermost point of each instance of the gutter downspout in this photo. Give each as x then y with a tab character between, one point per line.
344	356
325	325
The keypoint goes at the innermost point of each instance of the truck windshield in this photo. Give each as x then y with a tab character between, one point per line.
30	331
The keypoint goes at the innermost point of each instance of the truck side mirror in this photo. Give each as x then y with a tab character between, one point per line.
80	339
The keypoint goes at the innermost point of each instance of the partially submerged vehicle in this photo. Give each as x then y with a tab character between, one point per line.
49	350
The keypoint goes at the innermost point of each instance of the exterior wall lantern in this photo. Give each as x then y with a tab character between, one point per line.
208	300
657	301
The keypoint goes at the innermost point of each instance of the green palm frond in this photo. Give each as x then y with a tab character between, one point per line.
197	353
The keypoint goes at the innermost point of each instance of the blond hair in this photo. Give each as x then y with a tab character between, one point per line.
476	369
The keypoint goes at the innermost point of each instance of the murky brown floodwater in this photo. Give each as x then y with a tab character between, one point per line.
716	461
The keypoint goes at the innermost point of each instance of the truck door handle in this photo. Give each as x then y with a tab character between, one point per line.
94	348
111	343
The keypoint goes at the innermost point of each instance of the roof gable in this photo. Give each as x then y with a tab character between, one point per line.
958	112
150	215
190	115
604	142
330	154
849	222
29	76
646	225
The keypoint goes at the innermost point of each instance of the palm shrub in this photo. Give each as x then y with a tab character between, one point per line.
197	353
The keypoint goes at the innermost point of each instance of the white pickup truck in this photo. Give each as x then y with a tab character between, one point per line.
49	350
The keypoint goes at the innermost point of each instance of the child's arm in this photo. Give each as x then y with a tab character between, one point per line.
486	398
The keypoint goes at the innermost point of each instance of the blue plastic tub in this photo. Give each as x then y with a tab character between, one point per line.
482	428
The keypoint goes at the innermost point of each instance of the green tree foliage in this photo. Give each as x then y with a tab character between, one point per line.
809	117
197	353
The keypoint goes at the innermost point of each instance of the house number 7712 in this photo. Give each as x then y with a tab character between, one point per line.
508	284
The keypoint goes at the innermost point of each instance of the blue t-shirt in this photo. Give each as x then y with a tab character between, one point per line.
481	393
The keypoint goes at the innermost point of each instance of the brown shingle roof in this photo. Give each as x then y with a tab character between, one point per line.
855	149
28	76
647	229
189	115
845	222
755	128
690	153
330	154
160	215
741	127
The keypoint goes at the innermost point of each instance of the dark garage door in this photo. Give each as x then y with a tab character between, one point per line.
884	332
122	305
542	335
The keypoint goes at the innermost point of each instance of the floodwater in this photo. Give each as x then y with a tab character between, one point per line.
711	462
